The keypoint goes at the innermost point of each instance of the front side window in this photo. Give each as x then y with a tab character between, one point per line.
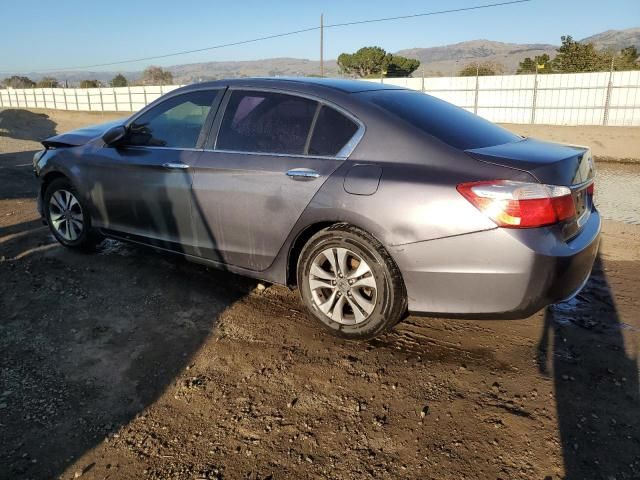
332	131
266	122
175	123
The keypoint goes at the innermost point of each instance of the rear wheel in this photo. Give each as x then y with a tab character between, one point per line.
350	283
68	217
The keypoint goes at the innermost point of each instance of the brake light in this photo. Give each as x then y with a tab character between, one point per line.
519	204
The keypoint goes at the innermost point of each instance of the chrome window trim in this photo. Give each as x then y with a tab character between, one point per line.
344	152
157	147
294	155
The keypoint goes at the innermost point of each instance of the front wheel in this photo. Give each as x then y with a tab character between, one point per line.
68	218
350	283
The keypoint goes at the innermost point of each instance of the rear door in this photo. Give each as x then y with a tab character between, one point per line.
269	154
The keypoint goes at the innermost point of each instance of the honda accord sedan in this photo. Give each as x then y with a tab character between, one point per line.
374	200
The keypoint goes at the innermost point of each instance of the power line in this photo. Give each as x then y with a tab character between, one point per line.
285	34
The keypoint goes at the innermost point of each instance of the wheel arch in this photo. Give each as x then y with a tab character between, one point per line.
48	178
303	237
298	244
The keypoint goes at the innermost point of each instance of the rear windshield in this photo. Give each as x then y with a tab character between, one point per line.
453	125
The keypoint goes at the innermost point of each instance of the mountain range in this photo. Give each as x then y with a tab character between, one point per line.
445	60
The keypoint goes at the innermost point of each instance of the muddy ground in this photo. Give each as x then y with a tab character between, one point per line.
129	363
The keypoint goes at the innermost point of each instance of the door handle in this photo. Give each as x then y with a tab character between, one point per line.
303	174
176	166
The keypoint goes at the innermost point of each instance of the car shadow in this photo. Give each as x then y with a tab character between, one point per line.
22	124
88	342
596	383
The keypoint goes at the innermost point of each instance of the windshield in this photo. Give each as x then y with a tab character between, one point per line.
448	123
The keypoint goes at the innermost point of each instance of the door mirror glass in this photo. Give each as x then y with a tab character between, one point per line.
114	135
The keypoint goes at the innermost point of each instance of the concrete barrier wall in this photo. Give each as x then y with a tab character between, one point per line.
601	98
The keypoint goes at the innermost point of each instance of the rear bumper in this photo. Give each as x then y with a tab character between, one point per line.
499	273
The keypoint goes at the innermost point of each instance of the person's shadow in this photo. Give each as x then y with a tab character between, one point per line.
596	384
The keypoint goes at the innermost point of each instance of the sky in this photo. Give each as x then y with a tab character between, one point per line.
41	35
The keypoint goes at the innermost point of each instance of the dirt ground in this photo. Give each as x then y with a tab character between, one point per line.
128	363
615	144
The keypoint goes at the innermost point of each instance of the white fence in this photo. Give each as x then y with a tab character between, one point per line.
120	99
602	98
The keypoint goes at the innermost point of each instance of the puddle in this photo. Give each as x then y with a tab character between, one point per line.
618	192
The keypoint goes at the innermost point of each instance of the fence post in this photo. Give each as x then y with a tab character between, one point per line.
535	97
101	101
130	102
422	87
607	98
144	89
475	101
75	93
55	102
64	92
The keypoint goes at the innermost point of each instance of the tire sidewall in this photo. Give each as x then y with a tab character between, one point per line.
85	237
381	317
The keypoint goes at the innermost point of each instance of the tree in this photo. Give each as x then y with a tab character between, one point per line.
47	82
573	57
89	84
375	61
481	69
543	62
16	81
119	81
156	76
401	66
628	59
365	62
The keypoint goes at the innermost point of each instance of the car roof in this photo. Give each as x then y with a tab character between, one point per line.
340	84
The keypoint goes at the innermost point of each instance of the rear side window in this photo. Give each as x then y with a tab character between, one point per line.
448	123
174	123
266	122
331	132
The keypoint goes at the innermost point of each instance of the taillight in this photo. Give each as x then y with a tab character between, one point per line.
519	204
591	189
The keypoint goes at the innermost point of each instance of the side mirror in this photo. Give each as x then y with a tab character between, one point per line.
112	136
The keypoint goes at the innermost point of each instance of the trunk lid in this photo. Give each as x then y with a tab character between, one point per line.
80	136
552	164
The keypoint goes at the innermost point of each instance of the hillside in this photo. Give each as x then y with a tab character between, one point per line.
449	59
615	39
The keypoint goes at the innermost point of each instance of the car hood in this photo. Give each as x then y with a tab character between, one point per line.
81	136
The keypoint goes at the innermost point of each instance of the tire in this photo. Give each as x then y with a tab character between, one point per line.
64	207
362	281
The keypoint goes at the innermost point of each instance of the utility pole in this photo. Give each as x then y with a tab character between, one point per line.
322	45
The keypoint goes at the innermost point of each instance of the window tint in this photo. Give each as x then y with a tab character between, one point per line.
266	122
174	123
331	132
451	124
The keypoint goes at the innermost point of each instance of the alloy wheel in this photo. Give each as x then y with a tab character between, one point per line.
342	285
66	216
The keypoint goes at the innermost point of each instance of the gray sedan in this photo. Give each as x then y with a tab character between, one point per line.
376	201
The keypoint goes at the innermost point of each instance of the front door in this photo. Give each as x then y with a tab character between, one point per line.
143	186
